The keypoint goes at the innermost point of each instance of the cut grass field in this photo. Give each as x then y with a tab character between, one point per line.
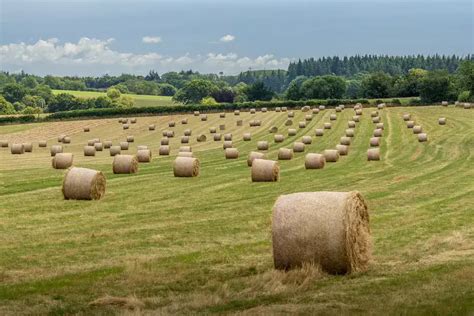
160	244
140	100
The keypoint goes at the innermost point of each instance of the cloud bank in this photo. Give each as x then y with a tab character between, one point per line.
227	38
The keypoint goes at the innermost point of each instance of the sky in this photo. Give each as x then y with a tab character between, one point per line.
95	37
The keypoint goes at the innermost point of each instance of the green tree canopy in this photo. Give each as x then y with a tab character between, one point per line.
194	91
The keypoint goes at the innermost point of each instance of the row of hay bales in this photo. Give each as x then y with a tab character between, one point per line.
418	129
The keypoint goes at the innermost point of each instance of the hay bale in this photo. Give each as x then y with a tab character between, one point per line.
227	144
375	141
203	117
107	144
302	124
212	130
169	134
188	132
60	138
262	145
265	170
345	140
66	140
144	155
222	127
321	107
273	129
186	167
442	121
333	117
123	164
62	160
278	138
355	118
331	155
56	149
247	137
343	150
307	140
378	132
91	142
185	154
315	111
376	119
373	154
151	127
327	125
28	147
172	124
349	132
253	111
305	108
196	113
422	137
288	123
130	139
217	137
239	122
222	115
98	146
142	147
444	103
358	112
184	121
231	153
236	112
133	120
86	129
466	106
83	184
228	136
410	124
89	151
41	143
417	129
264	110
308	117
330	229
406	117
319	132
285	154
124	145
165	133
17	149
115	150
338	109
164	150
254	155
3	143
125	126
165	141
291	132
314	161
380	126
291	114
284	109
298	147
380	106
185	149
342	106
278	109
184	139
120	120
351	124
374	113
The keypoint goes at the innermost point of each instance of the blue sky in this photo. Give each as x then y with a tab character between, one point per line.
86	37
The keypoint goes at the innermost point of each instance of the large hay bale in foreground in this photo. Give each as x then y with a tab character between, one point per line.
144	155
265	170
442	121
56	149
17	149
314	161
330	229
262	145
373	154
186	167
115	150
89	151
285	154
254	155
164	150
422	137
125	164
331	155
28	147
83	184
231	153
62	160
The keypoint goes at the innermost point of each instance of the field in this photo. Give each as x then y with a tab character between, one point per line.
140	100
159	244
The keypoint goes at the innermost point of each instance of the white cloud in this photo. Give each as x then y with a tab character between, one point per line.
151	39
227	38
90	56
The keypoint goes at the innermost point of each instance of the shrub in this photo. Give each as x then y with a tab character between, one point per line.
465	96
396	102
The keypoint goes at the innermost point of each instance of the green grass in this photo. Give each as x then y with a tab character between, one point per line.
140	100
203	246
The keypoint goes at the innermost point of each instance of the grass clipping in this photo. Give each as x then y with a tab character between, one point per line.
329	229
83	184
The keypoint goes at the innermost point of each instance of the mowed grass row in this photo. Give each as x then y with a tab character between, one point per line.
203	245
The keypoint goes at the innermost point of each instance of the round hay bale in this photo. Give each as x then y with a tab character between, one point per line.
380	126
291	132
165	133
356	118
151	127
83	184
278	138
314	161
284	109
188	132
264	110
442	121
327	125
107	144
315	111
130	139
262	145
285	154
184	121
298	147
375	141
228	136
378	132
62	160
89	151
144	155
98	146
291	114
333	117
467	106
115	150
406	117
321	107
124	145
185	154
212	130
331	155
91	142
60	138
422	137
273	129
319	132
236	112
120	120
342	106
222	127
66	140
231	153
374	113
56	149
278	109
125	164
41	143
338	109
86	129
3	143
307	140
349	132
444	103
172	124
222	115
142	147
169	134
125	120
345	141
201	138
417	129
17	149
265	170
254	155
288	123
343	150
351	124
253	111
165	141
358	112
410	124
196	113
381	106
376	119
186	167
308	117
330	229
302	124
217	137
373	154
227	144
184	139
133	120
164	150
125	126
239	122
28	147
305	108
203	117
185	149
247	137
